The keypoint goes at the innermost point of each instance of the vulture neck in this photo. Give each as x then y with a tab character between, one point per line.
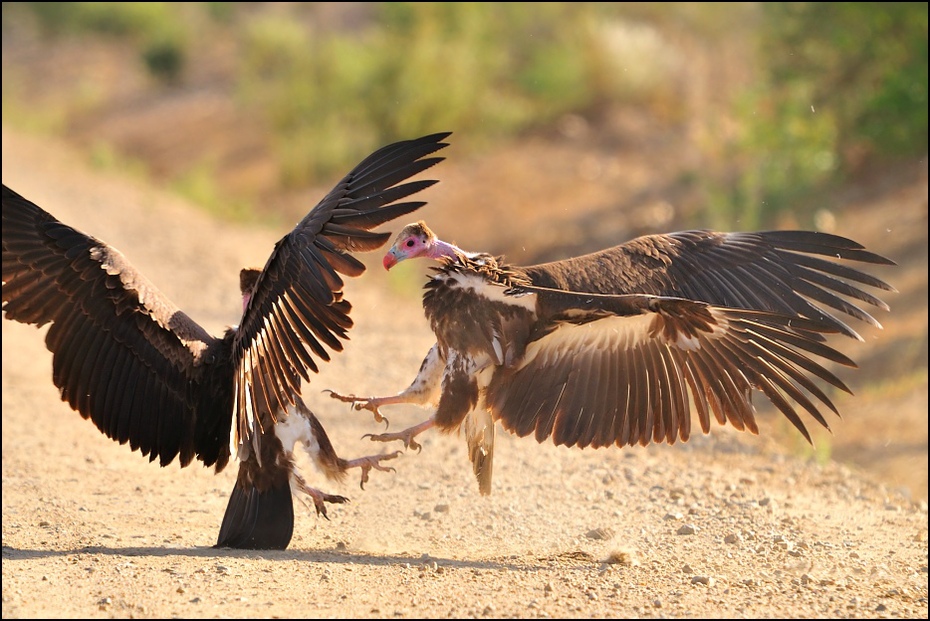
445	250
442	249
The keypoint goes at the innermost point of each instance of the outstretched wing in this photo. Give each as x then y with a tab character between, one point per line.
619	369
123	354
297	312
779	271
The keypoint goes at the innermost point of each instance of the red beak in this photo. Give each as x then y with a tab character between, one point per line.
389	261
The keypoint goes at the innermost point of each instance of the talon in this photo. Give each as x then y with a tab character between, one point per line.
320	505
373	462
407	439
320	498
360	403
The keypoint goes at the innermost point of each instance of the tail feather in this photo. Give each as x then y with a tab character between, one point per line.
258	520
479	433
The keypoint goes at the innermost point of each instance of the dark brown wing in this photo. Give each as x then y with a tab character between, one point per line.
123	354
297	311
779	271
605	370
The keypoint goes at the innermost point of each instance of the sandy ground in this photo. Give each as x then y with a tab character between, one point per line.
725	526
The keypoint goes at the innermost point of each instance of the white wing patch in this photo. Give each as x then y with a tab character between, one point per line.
296	429
498	347
690	343
493	292
614	334
722	326
292	431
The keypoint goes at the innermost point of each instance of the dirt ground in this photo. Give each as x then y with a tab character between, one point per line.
727	525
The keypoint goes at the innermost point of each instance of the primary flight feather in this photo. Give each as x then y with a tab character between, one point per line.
147	374
614	347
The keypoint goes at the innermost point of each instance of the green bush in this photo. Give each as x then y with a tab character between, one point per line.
487	70
109	18
841	85
164	58
834	85
865	63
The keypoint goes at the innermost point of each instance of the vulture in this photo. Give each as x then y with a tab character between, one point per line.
127	358
617	347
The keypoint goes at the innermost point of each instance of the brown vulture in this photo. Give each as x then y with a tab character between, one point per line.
145	373
616	347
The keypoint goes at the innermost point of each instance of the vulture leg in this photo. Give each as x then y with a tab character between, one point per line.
370	403
406	436
302	428
372	462
320	498
423	391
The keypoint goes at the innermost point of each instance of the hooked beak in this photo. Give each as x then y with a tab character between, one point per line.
389	260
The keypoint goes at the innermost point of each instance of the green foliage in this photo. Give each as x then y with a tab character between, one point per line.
157	27
198	184
864	62
164	58
841	84
18	110
107	18
222	12
488	70
831	86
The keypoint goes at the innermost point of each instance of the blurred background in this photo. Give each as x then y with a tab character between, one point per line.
576	126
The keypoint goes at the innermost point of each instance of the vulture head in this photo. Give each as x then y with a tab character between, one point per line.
417	240
623	345
248	277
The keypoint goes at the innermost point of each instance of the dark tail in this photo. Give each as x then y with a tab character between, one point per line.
258	520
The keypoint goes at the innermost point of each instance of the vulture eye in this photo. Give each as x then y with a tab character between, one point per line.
410	243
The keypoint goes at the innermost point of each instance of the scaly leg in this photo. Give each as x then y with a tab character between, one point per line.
407	435
423	391
366	464
370	403
319	497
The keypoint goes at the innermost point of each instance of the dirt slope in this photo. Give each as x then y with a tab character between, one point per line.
724	526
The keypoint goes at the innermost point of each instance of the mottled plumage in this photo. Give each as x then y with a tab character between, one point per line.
148	375
616	347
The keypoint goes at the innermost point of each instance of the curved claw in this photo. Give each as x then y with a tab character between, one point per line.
360	403
407	439
320	503
375	463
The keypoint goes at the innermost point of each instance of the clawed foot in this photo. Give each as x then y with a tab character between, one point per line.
367	464
405	436
320	498
362	403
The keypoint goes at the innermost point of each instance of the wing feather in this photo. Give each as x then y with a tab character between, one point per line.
639	404
297	314
784	272
671	350
660	388
118	344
